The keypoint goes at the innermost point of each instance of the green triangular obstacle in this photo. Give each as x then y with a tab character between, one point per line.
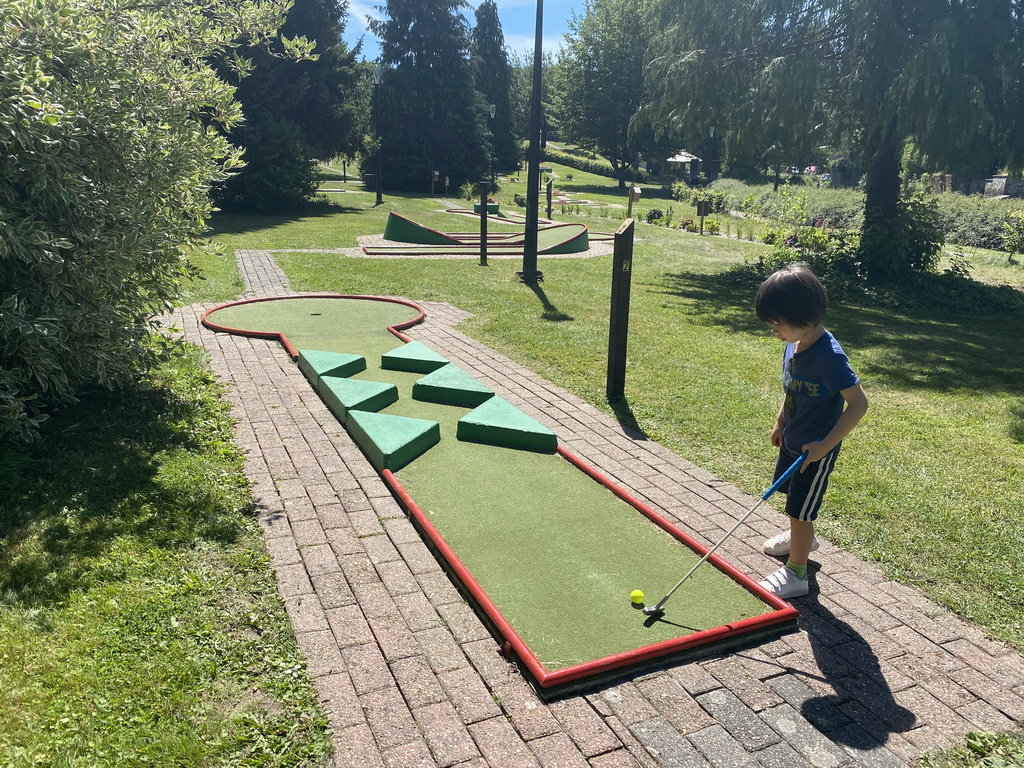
413	357
315	364
451	385
343	396
498	422
389	441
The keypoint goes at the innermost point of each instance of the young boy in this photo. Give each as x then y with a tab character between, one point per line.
824	402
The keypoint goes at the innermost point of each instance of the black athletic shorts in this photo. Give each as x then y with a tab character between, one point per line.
805	490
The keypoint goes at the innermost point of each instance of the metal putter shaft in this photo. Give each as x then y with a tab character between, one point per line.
660	607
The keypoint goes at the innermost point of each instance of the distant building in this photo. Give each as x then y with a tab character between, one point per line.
684	164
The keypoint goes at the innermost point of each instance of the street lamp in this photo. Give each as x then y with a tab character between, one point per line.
530	274
378	70
492	109
714	169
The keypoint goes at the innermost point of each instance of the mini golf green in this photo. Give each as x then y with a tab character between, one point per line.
549	554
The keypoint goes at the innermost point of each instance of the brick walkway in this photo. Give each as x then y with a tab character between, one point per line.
410	677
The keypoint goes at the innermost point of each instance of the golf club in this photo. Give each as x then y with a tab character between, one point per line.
660	607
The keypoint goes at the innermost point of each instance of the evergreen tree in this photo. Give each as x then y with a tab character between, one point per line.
427	112
493	79
297	113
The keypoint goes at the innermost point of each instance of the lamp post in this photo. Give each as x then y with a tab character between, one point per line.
530	274
378	70
492	109
713	174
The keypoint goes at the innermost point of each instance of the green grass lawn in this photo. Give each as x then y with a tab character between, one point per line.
140	623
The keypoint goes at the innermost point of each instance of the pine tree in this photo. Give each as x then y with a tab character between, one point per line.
427	112
493	79
297	113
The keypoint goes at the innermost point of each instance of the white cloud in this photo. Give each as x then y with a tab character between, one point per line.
358	11
524	43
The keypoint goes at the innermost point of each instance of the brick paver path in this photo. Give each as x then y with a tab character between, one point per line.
410	677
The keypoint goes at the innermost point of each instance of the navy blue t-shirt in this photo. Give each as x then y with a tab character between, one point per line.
813	380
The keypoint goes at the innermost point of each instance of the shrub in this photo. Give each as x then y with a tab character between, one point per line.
973	220
596	165
1013	233
654	214
106	160
682	192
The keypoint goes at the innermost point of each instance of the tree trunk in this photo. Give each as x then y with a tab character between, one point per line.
883	250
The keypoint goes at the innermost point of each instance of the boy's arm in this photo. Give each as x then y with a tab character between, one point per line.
780	423
856	407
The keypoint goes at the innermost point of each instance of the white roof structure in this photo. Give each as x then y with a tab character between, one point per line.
682	157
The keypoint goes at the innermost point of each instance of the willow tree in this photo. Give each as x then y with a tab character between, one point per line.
944	74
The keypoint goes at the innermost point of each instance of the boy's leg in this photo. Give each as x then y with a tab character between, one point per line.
804	495
801	537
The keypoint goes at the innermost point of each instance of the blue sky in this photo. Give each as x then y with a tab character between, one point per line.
518	19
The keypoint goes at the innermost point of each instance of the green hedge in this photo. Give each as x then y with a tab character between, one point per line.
596	165
975	221
967	220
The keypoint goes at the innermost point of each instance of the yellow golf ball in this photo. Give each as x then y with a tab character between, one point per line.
636	596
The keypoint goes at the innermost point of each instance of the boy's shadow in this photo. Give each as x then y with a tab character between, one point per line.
850	666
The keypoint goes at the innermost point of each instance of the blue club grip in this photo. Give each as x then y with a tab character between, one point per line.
784	476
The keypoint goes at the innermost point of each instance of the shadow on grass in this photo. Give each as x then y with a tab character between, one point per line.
240	223
551	312
135	468
627	419
912	349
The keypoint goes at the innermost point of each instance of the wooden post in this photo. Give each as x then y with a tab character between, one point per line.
618	331
484	189
550	182
634	195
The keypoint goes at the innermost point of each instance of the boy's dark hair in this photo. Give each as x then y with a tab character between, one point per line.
793	295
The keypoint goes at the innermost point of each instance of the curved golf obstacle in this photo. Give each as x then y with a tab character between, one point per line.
546	555
421	240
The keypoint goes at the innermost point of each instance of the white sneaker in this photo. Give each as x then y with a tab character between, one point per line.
785	584
778	545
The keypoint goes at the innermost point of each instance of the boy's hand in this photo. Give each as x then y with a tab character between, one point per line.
777	435
815	451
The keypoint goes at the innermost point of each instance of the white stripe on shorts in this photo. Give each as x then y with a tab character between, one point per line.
813	499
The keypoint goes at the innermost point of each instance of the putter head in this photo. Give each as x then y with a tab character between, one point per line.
653	610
